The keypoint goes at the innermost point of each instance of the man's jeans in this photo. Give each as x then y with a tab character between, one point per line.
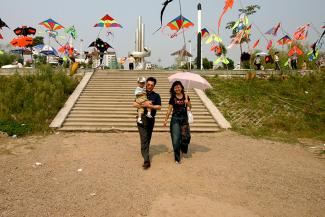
180	134
145	131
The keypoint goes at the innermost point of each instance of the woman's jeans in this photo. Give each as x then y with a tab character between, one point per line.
180	134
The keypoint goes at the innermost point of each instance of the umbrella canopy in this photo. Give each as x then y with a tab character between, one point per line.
22	51
46	50
190	80
262	54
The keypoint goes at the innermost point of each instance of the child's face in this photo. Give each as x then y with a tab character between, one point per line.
141	84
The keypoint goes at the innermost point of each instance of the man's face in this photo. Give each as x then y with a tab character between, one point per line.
150	85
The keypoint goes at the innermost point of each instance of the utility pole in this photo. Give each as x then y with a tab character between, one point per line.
190	58
199	37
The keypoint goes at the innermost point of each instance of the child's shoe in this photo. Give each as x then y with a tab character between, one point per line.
149	115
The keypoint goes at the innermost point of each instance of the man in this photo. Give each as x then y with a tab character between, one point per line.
145	129
277	61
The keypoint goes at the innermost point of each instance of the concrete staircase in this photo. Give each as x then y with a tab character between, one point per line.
106	104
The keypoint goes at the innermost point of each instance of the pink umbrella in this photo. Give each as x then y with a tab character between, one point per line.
190	80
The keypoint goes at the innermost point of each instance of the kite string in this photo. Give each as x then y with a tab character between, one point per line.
182	29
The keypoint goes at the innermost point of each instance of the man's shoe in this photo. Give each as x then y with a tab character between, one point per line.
146	165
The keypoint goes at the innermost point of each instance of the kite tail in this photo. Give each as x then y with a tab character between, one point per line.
157	30
219	22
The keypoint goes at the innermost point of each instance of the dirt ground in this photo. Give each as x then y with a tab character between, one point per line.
100	174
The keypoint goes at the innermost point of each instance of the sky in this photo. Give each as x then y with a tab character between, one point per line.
84	14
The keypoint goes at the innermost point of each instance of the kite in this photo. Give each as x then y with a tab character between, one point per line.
24	31
162	12
236	40
269	45
274	30
1	36
71	31
205	33
177	24
241	23
22	41
302	32
256	43
101	46
284	40
217	49
213	38
107	21
228	5
295	50
66	49
51	24
3	24
221	59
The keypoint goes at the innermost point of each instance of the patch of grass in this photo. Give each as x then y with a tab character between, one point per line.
28	103
274	108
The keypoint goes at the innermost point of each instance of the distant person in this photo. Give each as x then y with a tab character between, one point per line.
277	61
179	104
131	62
141	97
145	129
294	60
303	68
258	62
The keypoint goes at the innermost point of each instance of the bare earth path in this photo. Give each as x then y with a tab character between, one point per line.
98	174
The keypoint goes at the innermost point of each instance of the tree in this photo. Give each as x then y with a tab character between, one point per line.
207	64
38	40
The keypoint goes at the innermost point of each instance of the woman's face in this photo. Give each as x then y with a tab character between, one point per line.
178	89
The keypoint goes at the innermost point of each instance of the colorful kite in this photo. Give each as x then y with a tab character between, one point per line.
177	24
256	43
269	45
22	41
108	22
101	46
205	33
237	39
274	30
228	5
295	50
51	24
71	31
284	40
221	59
66	49
302	32
217	49
213	38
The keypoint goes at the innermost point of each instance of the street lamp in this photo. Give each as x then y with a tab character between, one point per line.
190	42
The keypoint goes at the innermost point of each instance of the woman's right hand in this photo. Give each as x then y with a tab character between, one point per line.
165	123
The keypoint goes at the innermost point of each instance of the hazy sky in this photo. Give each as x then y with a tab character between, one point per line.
84	14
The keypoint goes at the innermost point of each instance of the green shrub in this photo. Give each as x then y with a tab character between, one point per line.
33	100
273	108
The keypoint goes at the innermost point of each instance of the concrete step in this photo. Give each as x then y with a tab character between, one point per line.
132	129
74	111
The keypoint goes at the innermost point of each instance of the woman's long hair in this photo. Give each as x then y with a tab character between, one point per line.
172	91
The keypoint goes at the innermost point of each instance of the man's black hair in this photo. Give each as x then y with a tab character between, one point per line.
152	79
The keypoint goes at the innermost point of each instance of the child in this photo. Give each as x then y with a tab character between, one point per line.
141	97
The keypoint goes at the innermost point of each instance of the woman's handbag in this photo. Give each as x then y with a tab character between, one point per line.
190	117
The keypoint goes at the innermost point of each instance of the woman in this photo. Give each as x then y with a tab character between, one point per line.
179	103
